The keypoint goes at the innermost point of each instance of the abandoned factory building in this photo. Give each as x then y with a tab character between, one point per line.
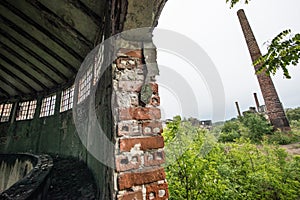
70	90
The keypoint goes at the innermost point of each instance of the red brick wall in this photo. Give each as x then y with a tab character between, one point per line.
139	144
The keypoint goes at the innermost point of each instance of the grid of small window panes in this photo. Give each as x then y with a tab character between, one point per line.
26	110
5	110
48	106
98	63
66	102
85	85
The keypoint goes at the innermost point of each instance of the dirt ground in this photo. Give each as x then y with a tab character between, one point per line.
293	149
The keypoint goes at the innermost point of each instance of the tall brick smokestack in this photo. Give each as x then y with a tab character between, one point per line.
274	107
238	108
256	101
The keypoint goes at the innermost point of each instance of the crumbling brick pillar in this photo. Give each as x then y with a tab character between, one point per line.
274	107
139	144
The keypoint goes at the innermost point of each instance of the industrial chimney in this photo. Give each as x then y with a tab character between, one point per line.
256	101
274	107
238	108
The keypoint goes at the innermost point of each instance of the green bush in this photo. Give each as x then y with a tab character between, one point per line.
265	172
229	137
251	125
279	138
283	138
232	130
293	114
198	167
184	145
295	125
258	126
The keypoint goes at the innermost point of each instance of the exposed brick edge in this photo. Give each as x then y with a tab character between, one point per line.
137	195
146	143
139	113
130	179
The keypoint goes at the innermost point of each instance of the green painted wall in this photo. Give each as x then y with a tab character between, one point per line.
56	135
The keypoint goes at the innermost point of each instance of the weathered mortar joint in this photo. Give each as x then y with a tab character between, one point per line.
152	127
154	158
157	191
129	128
128	162
154	101
138	128
153	191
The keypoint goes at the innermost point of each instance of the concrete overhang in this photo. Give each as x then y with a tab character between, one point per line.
42	42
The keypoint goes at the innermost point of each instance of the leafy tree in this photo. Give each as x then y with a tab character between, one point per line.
233	2
283	51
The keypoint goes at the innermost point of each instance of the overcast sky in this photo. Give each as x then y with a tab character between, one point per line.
215	28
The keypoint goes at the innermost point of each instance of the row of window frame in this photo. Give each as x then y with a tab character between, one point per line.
89	79
26	110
